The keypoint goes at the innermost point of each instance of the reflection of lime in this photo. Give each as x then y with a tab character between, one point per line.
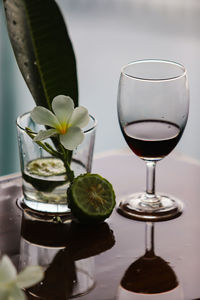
45	174
91	198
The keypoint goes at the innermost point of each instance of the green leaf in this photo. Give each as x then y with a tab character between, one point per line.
43	49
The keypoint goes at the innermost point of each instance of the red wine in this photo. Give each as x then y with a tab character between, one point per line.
151	139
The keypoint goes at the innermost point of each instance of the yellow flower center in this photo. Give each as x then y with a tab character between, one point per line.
63	128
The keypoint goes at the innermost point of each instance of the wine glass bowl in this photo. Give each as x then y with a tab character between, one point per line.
153	106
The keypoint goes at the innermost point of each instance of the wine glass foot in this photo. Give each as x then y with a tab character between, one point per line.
134	207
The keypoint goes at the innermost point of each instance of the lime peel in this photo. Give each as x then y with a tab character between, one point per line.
91	198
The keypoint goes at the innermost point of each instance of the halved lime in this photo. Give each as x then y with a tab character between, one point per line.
46	166
91	198
45	174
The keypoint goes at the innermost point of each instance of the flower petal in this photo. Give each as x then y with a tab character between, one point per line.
43	116
29	276
63	107
16	294
44	134
80	117
72	138
4	294
7	269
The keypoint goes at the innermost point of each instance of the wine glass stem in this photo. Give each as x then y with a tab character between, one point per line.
149	238
151	198
150	178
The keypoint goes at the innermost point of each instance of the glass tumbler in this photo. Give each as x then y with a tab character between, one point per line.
47	194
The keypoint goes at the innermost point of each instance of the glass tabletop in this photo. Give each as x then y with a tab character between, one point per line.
126	259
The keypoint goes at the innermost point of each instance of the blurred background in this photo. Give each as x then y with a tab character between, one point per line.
106	34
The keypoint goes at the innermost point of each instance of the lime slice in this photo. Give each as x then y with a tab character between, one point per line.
47	166
91	198
45	174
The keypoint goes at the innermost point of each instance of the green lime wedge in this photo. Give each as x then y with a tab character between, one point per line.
91	198
45	174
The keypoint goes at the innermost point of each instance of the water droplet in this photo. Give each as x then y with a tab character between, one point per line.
138	270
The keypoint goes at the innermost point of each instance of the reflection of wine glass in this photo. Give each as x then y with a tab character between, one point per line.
153	105
150	275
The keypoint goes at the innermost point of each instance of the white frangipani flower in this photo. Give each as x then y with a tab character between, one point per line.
66	121
11	283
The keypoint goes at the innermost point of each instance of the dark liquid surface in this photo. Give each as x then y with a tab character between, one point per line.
151	139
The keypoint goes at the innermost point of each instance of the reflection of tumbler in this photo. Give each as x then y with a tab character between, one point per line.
66	250
64	277
50	245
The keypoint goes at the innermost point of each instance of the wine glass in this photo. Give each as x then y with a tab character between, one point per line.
153	105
